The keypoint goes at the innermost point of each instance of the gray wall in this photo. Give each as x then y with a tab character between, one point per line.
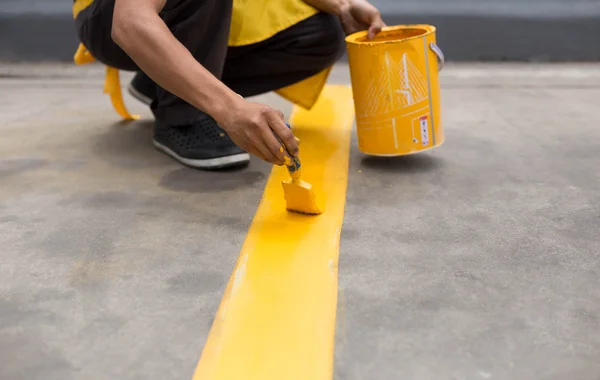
547	30
501	30
522	8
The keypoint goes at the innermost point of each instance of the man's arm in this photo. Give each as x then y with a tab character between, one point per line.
330	6
142	34
355	15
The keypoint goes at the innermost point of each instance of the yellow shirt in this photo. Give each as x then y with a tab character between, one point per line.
252	21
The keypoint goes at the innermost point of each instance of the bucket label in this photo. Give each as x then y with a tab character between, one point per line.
424	130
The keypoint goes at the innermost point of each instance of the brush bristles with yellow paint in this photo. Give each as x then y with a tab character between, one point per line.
299	195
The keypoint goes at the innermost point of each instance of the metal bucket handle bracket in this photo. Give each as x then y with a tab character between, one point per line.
440	55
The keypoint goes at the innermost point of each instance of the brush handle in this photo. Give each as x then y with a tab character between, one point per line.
294	165
294	168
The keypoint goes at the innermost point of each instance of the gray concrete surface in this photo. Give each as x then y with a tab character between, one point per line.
469	30
114	257
479	260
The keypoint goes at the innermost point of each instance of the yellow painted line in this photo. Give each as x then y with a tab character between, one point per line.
276	320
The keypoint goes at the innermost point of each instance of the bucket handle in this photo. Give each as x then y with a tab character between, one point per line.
440	55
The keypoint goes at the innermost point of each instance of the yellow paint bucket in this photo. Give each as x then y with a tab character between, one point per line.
395	82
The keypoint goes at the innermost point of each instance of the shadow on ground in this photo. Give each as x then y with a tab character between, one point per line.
403	164
128	145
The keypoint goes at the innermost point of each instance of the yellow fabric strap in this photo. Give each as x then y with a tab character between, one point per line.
112	83
112	87
80	5
83	56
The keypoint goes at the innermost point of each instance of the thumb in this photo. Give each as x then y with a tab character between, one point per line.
376	28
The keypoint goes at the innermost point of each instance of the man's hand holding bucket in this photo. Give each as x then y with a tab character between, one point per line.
355	15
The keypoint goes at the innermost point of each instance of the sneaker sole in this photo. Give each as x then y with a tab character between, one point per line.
211	163
138	95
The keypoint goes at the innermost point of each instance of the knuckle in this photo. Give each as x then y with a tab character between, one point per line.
288	135
265	110
255	122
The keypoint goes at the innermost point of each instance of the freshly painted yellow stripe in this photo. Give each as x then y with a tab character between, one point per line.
277	317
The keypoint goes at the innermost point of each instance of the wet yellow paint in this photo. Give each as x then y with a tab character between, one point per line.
276	320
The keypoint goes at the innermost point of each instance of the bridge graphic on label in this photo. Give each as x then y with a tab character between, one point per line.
401	83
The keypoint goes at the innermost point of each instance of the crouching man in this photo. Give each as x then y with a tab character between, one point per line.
197	61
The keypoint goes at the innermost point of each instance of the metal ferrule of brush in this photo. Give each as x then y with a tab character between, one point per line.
294	168
295	165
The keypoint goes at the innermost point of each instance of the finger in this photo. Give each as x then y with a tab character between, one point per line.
275	146
353	26
265	152
284	134
376	27
254	151
276	151
372	32
262	157
250	148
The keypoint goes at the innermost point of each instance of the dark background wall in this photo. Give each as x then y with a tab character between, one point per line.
468	30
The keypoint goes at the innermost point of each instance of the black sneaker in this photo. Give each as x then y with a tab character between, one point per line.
202	145
142	88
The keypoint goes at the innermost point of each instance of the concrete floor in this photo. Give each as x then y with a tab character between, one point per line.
479	260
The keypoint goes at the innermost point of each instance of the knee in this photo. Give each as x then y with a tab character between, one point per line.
333	39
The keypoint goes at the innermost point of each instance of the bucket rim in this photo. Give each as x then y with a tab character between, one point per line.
353	38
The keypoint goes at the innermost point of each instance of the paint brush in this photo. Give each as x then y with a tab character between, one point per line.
299	195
